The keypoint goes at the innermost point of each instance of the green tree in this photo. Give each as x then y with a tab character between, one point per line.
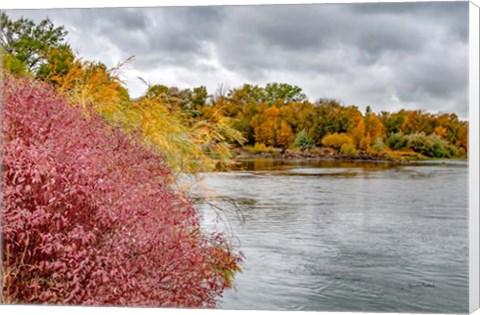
157	90
392	122
30	43
199	96
283	93
303	141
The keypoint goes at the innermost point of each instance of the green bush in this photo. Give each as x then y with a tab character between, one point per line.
397	141
431	145
378	145
428	145
303	141
453	150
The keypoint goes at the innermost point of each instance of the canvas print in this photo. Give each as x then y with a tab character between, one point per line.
268	157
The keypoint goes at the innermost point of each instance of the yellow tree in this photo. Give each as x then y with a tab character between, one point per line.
265	124
92	86
357	133
374	129
284	135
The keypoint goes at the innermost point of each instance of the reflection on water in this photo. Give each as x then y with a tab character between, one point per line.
275	164
333	236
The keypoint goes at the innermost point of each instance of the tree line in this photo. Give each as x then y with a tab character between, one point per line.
195	129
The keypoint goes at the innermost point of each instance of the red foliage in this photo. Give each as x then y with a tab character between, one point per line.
88	215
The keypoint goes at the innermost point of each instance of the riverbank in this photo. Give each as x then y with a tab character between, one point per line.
325	154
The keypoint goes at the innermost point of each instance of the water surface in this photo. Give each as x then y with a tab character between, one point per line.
332	236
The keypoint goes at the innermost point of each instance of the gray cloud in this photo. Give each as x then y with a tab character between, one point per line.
384	55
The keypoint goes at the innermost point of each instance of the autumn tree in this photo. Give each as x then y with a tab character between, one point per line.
265	125
440	131
93	87
305	115
242	104
271	129
455	130
334	118
59	61
358	131
284	135
299	115
374	129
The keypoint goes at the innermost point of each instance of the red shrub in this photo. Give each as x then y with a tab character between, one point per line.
88	215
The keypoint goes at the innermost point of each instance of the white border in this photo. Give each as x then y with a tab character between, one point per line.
46	4
473	153
474	137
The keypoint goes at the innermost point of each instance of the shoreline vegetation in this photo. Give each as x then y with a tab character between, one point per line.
90	212
242	154
323	155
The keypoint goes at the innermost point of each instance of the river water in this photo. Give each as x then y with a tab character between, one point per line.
331	236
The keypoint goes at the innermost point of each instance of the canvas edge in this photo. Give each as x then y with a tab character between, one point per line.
473	160
474	157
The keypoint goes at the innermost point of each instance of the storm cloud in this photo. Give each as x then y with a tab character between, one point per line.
389	56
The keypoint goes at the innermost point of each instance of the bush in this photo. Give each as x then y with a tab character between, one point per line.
453	151
397	141
348	149
337	140
303	141
431	146
89	216
379	146
259	148
462	152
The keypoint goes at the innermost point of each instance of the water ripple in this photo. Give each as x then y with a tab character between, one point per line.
349	237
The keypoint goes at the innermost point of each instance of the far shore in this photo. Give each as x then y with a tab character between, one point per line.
242	155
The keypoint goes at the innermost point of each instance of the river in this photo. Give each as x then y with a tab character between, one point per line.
338	236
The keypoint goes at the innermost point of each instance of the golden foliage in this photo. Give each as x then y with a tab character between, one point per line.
441	131
92	87
188	145
337	140
271	128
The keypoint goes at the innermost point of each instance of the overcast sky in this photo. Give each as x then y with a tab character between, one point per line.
389	56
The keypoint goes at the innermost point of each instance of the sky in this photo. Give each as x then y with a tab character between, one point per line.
389	56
